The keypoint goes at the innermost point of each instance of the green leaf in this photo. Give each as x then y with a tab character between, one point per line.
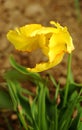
15	75
13	92
42	121
52	110
79	127
18	98
66	113
26	109
34	111
54	118
53	80
5	100
34	77
73	87
74	123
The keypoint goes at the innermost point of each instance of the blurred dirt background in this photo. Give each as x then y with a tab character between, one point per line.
16	13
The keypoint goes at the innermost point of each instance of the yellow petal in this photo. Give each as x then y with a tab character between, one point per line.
22	43
43	45
56	24
54	52
61	38
44	31
21	38
29	29
53	41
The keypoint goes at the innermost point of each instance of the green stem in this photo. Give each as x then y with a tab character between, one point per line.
68	79
78	13
56	118
22	119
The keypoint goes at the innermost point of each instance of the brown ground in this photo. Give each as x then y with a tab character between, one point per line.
14	13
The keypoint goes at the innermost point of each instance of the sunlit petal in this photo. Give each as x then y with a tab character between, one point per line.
54	42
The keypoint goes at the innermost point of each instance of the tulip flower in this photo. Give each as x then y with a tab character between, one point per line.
53	41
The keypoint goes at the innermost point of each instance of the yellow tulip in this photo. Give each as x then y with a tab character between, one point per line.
53	41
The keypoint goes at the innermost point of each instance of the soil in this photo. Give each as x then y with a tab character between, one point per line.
16	13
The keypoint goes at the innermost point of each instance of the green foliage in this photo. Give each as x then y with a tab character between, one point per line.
39	111
5	100
78	12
